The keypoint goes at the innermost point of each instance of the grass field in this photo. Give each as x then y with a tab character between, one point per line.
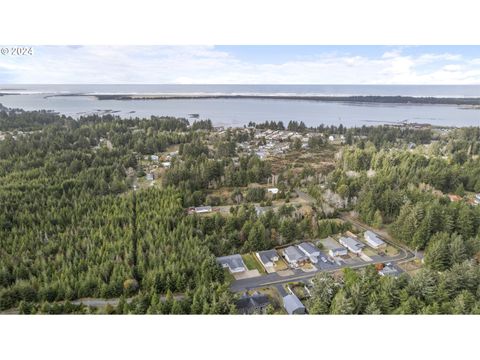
280	265
228	276
252	263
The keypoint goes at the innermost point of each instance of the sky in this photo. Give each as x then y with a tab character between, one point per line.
243	65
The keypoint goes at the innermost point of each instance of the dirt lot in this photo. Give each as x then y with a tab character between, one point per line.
329	243
308	268
280	265
411	267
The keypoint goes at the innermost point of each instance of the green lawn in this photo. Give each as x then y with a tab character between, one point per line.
228	276
252	263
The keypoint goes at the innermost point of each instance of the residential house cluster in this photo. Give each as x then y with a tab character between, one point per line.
298	255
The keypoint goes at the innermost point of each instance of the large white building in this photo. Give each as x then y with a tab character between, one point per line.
294	256
310	250
353	245
373	240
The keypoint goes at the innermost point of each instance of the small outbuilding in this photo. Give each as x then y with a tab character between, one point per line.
202	209
293	305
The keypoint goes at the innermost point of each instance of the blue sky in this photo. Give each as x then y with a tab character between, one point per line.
244	65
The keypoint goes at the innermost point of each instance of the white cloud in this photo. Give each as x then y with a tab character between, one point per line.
206	64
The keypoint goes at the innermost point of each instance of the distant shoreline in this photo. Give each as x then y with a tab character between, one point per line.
467	102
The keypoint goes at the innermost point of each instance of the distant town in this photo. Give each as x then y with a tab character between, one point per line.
176	216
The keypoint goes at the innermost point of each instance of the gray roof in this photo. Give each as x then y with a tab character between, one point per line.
308	248
248	304
341	248
351	243
389	270
203	208
294	254
371	237
292	303
232	261
267	255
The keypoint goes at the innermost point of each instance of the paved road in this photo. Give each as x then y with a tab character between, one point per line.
272	279
409	254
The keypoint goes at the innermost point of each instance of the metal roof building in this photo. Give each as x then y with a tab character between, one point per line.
351	244
373	240
309	249
294	255
293	305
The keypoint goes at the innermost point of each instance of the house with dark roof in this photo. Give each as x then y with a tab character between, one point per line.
253	304
267	257
293	305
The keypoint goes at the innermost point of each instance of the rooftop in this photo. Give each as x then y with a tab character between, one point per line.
308	248
248	304
293	253
371	237
203	208
389	270
233	262
292	303
352	244
267	255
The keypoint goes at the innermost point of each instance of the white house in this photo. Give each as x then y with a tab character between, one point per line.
310	250
294	256
372	240
166	164
234	263
150	176
203	209
353	245
273	190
